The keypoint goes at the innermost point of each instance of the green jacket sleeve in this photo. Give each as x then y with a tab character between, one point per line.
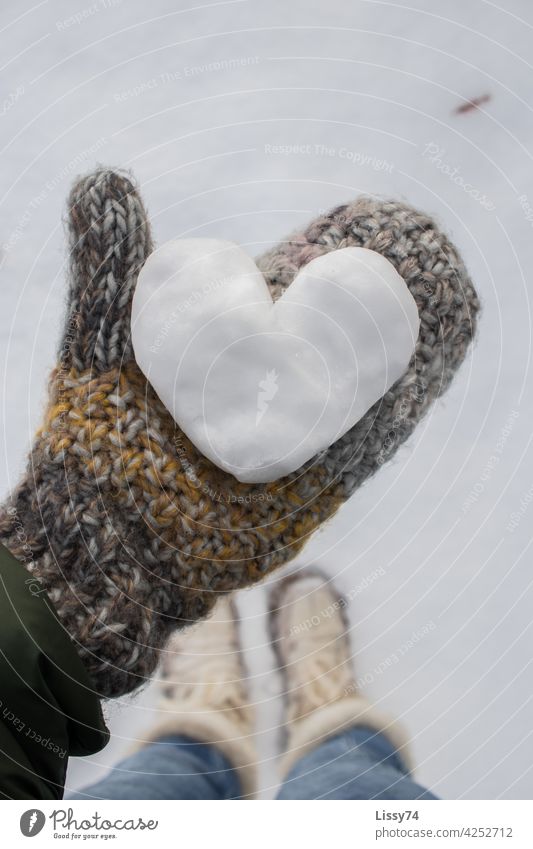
48	710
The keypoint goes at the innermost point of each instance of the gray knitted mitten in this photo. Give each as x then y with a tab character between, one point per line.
130	530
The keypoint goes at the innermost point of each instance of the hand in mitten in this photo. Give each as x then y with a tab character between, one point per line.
133	532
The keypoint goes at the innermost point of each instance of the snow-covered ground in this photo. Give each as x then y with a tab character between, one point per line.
241	119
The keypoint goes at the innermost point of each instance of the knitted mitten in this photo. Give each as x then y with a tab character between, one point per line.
128	528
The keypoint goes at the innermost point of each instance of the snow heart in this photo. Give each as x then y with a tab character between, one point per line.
261	387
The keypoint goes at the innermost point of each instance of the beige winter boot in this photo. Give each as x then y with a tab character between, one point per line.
310	635
204	694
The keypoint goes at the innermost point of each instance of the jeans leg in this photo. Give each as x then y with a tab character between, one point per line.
359	763
174	767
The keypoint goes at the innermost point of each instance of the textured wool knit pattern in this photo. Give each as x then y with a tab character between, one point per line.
131	531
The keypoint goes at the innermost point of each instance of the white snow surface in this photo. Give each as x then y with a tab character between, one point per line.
261	387
242	120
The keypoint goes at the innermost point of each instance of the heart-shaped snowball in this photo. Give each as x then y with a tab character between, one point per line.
261	387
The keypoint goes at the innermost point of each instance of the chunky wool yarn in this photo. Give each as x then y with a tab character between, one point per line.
131	531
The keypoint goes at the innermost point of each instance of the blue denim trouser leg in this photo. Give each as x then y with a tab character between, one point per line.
357	764
174	767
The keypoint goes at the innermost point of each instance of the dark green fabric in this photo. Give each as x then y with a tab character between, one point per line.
48	710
